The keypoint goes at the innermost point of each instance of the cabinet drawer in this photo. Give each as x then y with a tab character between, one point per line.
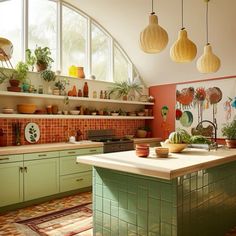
10	158
40	155
75	181
68	165
81	151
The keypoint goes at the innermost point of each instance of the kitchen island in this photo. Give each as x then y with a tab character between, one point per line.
189	193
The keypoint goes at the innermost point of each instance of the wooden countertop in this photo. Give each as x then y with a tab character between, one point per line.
10	150
146	140
177	164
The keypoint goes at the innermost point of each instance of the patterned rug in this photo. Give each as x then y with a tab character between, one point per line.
67	222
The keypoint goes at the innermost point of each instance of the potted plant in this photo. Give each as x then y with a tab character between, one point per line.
41	56
141	132
229	131
48	75
120	89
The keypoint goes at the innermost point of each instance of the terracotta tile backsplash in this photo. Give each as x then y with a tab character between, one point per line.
58	130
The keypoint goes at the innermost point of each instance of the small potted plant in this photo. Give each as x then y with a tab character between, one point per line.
41	56
229	131
120	89
48	75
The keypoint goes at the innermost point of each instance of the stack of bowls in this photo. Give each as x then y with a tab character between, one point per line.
142	150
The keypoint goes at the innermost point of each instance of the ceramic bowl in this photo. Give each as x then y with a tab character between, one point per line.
114	113
162	152
26	108
174	147
74	112
141	113
8	110
142	150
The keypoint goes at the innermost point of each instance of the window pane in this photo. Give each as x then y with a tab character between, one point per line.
121	66
42	25
74	31
100	54
10	25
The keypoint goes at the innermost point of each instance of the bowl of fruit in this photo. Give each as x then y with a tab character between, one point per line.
174	142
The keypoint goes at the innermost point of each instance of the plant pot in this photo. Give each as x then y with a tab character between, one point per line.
41	66
14	82
230	143
141	133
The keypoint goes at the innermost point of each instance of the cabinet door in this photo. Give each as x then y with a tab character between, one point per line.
41	178
11	183
68	165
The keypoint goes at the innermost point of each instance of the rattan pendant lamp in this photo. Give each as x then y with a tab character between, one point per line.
183	50
208	62
153	39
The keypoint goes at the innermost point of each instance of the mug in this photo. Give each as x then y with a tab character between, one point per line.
72	139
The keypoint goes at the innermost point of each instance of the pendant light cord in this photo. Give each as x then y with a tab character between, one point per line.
207	22
182	14
152	12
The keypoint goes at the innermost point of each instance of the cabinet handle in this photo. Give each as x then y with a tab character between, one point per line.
92	150
81	179
25	169
4	159
71	152
21	169
42	155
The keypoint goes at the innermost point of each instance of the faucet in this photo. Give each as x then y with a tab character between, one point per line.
214	125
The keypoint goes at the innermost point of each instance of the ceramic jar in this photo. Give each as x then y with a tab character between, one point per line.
142	150
80	72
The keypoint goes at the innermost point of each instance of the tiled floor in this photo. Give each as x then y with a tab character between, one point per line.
7	226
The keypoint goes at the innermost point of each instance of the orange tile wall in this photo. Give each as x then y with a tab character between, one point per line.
58	130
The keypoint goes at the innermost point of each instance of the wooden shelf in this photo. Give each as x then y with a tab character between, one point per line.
48	96
35	116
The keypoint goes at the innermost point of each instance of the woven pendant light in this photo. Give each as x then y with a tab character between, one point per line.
208	62
183	50
153	38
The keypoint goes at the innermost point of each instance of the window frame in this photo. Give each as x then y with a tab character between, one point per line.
112	42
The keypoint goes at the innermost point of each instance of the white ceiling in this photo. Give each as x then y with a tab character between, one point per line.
125	19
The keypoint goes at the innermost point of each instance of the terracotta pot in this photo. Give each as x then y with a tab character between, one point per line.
231	143
141	133
80	72
41	66
14	82
142	150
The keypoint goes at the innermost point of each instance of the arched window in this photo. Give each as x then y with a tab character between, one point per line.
73	37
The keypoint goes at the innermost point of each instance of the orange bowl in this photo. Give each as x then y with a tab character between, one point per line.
25	108
174	147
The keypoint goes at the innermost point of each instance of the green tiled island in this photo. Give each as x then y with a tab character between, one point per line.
191	193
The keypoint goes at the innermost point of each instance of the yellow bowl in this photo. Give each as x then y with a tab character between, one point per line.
174	147
26	108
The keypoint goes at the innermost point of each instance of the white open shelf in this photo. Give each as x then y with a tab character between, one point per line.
45	116
48	96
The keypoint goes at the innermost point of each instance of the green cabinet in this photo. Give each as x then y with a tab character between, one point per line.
11	179
74	175
41	178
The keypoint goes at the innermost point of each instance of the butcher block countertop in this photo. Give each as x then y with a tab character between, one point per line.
177	164
11	150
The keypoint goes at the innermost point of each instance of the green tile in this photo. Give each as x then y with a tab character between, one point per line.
123	200
110	193
193	183
98	218
114	203
106	206
106	221
166	192
154	206
132	202
98	203
166	212
98	190
98	230
132	185
142	217
114	225
142	198
154	223
127	216
123	228
114	211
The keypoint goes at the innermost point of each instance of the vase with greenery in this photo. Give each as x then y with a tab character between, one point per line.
48	75
124	88
229	131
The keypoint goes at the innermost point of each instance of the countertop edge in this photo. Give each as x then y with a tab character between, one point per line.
12	150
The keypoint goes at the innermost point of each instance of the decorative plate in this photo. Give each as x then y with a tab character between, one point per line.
6	49
186	119
32	132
